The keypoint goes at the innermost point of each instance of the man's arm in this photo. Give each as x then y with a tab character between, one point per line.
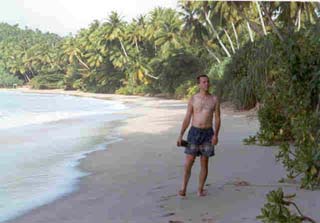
186	121
217	122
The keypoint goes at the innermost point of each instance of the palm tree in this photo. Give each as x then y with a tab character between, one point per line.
73	51
261	18
194	27
115	30
153	25
192	23
168	36
228	15
136	31
207	13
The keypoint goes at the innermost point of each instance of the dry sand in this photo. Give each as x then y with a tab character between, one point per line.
136	179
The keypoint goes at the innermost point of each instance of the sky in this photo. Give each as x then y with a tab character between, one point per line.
68	16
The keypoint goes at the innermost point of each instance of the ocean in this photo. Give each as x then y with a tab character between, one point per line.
42	139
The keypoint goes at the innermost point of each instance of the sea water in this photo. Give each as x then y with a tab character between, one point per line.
42	139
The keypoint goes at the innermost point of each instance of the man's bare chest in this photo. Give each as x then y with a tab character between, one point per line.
200	105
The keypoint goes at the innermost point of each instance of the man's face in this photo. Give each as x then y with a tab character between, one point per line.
204	83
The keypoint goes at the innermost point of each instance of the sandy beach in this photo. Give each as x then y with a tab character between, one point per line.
137	179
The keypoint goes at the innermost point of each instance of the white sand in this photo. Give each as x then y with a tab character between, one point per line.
136	180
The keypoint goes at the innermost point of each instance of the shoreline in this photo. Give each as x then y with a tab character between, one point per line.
81	162
72	164
227	106
136	179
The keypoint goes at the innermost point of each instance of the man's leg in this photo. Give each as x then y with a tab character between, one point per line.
187	172
204	160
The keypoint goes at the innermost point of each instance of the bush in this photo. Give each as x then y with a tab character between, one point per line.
217	70
48	81
290	99
72	79
186	90
189	88
9	80
251	70
174	71
303	157
277	209
132	89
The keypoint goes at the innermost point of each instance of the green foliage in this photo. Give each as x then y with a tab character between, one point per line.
284	79
192	90
72	78
273	125
27	53
102	82
49	81
136	90
8	81
250	140
186	90
130	90
277	210
303	158
249	72
174	71
217	70
298	101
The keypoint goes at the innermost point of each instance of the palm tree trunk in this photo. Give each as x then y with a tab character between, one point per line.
136	43
149	75
123	49
217	35
236	35
27	77
30	68
318	105
299	19
261	19
229	39
250	32
212	53
307	11
83	63
252	24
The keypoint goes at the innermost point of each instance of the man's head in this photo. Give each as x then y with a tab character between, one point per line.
203	82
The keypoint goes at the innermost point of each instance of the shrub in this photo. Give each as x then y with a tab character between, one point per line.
8	80
186	89
48	81
135	90
277	209
175	70
289	93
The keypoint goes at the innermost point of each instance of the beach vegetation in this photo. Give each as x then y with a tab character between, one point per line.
9	81
281	208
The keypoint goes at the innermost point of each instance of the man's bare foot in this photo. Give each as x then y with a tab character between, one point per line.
182	193
202	193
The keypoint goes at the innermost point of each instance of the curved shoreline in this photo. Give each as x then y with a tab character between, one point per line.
83	164
72	168
136	180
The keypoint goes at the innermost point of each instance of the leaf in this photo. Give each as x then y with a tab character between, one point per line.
313	170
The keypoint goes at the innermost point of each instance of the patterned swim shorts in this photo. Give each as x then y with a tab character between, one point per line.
199	142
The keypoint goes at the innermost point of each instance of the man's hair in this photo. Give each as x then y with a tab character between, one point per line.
201	75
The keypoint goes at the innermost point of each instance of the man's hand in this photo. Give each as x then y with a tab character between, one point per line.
214	140
179	141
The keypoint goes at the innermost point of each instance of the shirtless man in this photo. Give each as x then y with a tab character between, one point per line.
201	137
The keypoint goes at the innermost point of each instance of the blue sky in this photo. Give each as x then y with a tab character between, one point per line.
68	16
